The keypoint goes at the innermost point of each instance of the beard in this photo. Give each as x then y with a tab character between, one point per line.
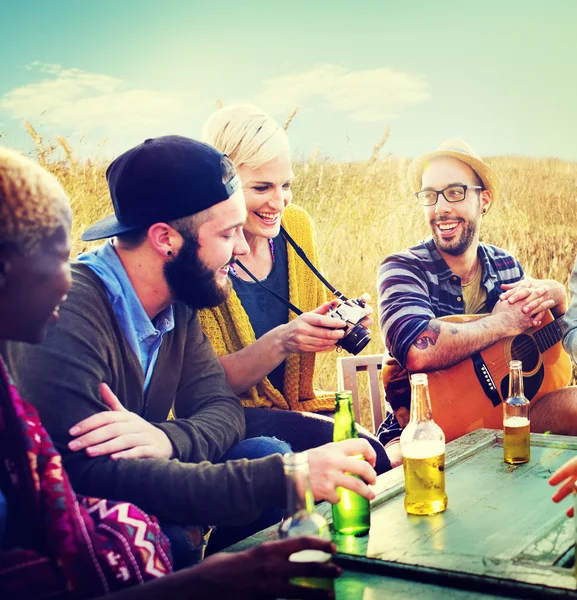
190	281
458	246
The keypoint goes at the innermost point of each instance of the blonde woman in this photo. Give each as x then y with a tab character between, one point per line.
268	352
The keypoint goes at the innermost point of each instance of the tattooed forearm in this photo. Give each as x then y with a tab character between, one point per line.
429	336
445	343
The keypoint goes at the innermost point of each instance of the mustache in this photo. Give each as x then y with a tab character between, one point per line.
232	261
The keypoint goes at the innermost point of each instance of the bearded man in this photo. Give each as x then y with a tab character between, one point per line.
128	348
453	273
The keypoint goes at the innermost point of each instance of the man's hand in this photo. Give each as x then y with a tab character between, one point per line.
120	433
264	572
567	474
537	296
335	464
512	319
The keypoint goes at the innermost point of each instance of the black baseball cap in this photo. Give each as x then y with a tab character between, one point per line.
164	178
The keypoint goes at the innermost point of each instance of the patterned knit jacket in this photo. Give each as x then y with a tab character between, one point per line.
228	327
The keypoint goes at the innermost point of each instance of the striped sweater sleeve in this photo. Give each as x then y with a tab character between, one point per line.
404	304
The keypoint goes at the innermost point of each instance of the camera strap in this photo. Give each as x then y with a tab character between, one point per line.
308	263
286	302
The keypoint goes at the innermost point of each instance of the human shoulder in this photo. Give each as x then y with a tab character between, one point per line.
495	251
296	219
87	291
501	260
419	257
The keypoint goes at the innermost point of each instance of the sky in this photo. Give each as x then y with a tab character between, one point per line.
501	74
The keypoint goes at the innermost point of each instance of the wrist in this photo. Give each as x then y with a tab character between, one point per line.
496	323
281	344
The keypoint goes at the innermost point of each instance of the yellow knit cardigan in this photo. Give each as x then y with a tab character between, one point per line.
228	327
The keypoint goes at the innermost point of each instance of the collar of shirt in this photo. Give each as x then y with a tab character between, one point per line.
143	335
444	273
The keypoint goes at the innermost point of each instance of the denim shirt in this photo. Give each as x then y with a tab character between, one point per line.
143	335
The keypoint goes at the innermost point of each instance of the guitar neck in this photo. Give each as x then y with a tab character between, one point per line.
550	334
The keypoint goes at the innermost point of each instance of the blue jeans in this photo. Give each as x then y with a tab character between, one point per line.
256	447
305	430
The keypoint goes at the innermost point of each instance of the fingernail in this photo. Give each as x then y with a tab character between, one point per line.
92	451
74	431
74	445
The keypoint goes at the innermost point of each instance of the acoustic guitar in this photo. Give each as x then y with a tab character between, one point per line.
469	395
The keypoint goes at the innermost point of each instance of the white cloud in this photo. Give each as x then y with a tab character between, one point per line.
72	100
372	95
43	67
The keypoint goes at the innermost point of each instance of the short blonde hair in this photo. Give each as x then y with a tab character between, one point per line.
246	134
33	205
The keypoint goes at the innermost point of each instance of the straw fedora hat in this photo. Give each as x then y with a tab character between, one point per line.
461	151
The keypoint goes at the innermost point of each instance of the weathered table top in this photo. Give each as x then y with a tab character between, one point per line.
500	535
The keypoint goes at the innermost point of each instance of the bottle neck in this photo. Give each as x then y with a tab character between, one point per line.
299	493
516	382
420	403
345	427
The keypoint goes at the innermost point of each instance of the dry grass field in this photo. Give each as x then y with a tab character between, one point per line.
364	211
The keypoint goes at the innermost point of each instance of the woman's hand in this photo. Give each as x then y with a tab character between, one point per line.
368	321
313	331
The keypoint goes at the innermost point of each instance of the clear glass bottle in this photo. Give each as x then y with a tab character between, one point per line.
423	450
516	423
352	514
302	518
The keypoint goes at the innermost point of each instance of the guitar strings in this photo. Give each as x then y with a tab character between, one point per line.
523	350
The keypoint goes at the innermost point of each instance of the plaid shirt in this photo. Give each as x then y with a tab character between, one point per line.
417	285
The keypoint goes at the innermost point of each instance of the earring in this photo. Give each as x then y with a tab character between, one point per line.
484	211
169	253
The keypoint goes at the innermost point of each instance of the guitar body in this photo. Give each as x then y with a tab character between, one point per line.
469	395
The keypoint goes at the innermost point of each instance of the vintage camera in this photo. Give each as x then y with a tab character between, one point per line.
356	336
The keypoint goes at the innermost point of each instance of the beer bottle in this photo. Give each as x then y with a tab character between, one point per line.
302	518
516	427
352	514
423	450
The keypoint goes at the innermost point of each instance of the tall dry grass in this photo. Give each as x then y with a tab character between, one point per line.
364	211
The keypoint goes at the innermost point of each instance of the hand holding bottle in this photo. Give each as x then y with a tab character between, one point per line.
337	463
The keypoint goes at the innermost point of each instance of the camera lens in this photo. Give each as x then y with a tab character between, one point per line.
355	340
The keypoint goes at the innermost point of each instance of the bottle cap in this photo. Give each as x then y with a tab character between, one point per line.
418	378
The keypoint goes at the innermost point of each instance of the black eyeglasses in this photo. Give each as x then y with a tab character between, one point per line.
453	193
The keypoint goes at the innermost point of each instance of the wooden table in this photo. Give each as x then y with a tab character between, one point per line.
501	535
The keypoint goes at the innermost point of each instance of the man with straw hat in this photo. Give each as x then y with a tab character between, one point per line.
453	273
